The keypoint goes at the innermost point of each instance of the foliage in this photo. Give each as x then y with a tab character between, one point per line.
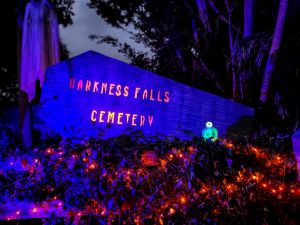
64	11
186	38
8	89
172	31
194	42
195	182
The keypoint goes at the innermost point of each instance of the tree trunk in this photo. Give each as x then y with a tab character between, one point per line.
232	51
274	50
248	18
248	30
203	14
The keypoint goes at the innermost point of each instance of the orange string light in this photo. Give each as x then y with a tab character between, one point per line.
183	200
34	210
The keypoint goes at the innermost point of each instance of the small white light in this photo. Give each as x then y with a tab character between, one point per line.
209	124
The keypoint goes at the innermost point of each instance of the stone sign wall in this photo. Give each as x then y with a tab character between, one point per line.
92	94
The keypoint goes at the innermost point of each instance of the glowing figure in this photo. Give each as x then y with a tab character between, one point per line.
209	132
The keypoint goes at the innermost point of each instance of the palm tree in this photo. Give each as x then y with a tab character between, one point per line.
248	18
274	50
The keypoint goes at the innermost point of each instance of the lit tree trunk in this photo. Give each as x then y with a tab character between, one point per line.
232	51
203	14
248	30
274	50
248	18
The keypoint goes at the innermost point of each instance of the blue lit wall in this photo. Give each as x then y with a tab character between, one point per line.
296	148
82	94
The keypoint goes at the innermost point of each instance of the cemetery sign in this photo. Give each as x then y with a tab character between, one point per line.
93	94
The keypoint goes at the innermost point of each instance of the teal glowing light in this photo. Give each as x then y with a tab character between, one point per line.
209	132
